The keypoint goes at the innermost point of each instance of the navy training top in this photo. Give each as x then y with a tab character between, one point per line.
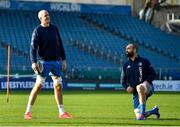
136	72
46	44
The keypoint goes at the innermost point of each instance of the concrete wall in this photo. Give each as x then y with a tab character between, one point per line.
137	6
110	2
174	1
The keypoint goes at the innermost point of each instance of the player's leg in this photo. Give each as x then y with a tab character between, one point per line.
57	81
40	79
137	110
33	95
155	110
143	91
148	90
142	98
37	87
59	97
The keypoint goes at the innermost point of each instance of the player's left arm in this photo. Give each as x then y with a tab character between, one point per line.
62	51
33	50
124	81
150	72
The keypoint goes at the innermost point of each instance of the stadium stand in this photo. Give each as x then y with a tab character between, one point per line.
17	62
140	32
18	34
88	45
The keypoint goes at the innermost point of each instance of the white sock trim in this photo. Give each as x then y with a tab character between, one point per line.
61	109
29	108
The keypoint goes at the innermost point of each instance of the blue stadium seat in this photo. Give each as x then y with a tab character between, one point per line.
17	27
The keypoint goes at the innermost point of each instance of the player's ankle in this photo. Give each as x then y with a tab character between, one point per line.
61	109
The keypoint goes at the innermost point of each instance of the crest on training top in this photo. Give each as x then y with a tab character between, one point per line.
140	64
128	66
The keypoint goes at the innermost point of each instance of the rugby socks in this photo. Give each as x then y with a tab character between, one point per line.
28	109
142	108
153	111
149	113
61	109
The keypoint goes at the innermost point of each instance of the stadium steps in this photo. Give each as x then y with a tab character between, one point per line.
17	62
144	51
129	38
14	49
77	30
83	42
17	33
166	49
94	51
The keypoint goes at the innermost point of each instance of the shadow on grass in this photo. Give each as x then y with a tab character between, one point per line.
170	119
85	124
91	122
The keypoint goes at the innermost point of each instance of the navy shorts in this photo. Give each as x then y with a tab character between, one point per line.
51	68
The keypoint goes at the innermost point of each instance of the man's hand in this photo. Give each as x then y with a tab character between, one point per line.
64	64
35	67
130	89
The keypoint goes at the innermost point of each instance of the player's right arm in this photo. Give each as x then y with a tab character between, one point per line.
62	51
124	81
33	50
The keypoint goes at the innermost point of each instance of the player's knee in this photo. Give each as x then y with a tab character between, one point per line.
40	80
38	87
140	88
58	87
57	81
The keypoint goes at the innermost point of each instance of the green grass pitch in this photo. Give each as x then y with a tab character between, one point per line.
89	108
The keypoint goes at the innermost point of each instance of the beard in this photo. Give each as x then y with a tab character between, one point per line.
129	54
47	21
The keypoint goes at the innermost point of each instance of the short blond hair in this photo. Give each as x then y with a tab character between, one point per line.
40	13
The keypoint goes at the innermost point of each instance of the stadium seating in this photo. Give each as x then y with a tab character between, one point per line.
18	33
17	62
78	34
140	32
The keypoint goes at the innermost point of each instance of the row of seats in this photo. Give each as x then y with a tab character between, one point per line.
16	62
17	27
141	32
114	43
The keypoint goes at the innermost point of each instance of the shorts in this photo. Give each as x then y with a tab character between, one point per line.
50	68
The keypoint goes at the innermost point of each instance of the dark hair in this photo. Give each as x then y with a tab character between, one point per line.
135	46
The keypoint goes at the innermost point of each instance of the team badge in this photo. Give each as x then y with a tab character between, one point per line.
128	66
140	64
